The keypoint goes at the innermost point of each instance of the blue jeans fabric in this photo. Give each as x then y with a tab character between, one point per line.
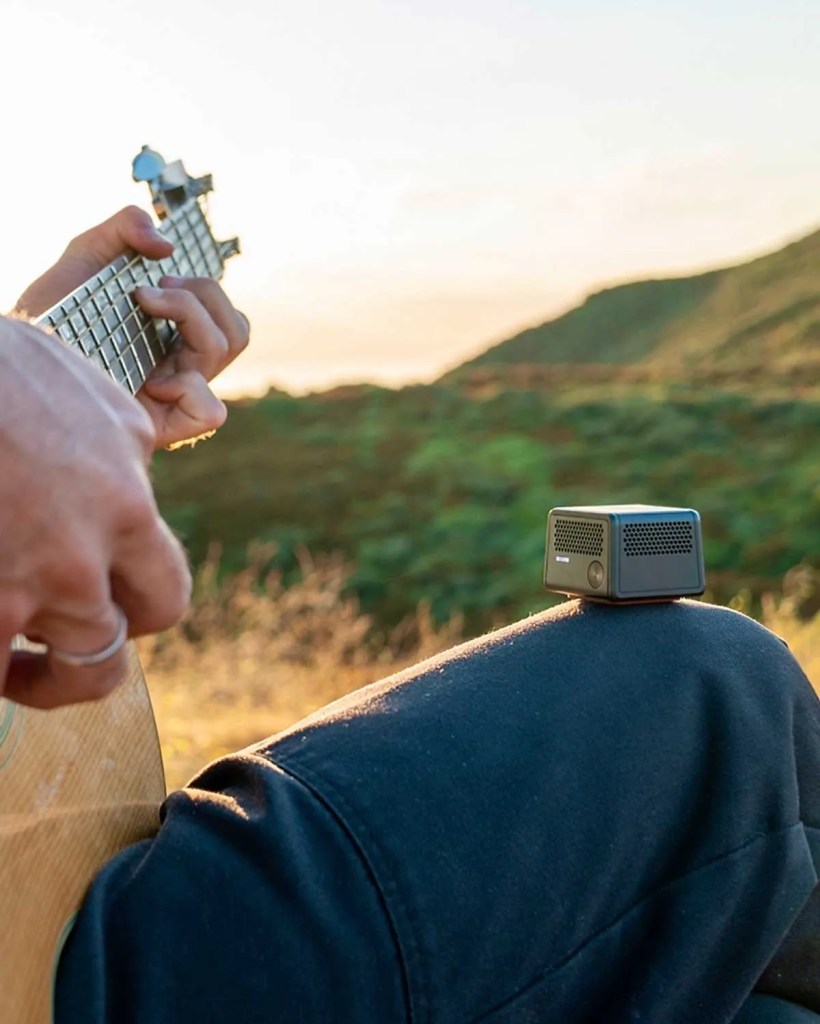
595	816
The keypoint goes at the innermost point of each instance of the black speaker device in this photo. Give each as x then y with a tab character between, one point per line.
624	553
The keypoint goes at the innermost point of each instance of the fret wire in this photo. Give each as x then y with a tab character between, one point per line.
120	350
205	247
189	246
134	327
153	343
141	323
139	319
115	330
146	331
91	319
94	316
210	253
132	348
129	321
200	247
129	264
148	353
100	336
182	248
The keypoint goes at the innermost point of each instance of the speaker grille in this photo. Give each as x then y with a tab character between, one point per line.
671	538
579	536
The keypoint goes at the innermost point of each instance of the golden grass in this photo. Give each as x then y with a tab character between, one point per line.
787	616
253	656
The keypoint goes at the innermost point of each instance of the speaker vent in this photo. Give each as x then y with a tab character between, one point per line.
579	536
671	538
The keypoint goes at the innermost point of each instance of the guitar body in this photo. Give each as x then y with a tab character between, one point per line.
79	783
76	785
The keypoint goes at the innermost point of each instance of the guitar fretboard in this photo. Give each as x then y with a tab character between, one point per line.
101	318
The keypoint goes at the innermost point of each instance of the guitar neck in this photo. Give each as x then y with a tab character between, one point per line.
101	318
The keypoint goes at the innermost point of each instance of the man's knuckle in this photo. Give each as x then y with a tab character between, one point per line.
141	427
207	288
16	608
215	417
181	599
185	302
220	343
132	216
78	246
137	512
80	573
175	600
243	334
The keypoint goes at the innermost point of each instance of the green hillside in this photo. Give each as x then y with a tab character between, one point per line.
700	391
761	316
439	496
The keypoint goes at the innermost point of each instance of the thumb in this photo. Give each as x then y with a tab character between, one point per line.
131	228
88	253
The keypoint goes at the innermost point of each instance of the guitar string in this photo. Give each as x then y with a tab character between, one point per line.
136	324
196	251
179	229
143	328
187	262
182	230
81	322
140	330
122	265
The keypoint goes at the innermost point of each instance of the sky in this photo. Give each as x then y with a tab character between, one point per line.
413	181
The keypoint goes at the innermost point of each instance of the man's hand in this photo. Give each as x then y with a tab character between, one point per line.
79	529
176	395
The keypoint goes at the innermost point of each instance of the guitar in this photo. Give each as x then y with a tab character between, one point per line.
79	783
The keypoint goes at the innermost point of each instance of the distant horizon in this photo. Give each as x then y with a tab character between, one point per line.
310	378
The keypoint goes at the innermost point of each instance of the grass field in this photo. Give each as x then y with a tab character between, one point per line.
253	658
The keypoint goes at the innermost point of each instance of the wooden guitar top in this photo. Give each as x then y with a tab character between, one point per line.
76	785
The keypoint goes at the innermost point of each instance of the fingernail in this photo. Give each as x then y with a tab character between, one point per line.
169	281
148	292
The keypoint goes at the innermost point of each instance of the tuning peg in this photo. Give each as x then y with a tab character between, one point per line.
201	186
170	184
147	165
228	248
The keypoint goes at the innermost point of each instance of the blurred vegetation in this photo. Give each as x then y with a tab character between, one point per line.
439	494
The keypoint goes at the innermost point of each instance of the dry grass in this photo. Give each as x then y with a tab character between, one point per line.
794	615
254	657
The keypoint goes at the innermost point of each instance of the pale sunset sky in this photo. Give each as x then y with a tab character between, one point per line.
412	181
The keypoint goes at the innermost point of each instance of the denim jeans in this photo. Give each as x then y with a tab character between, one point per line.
599	815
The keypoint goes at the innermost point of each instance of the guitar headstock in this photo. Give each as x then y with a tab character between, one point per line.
171	187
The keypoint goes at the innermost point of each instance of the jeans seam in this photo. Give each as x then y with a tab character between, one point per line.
654	892
314	782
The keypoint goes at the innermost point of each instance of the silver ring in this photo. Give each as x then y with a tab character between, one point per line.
96	657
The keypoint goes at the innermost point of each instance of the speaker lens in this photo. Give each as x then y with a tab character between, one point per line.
595	574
